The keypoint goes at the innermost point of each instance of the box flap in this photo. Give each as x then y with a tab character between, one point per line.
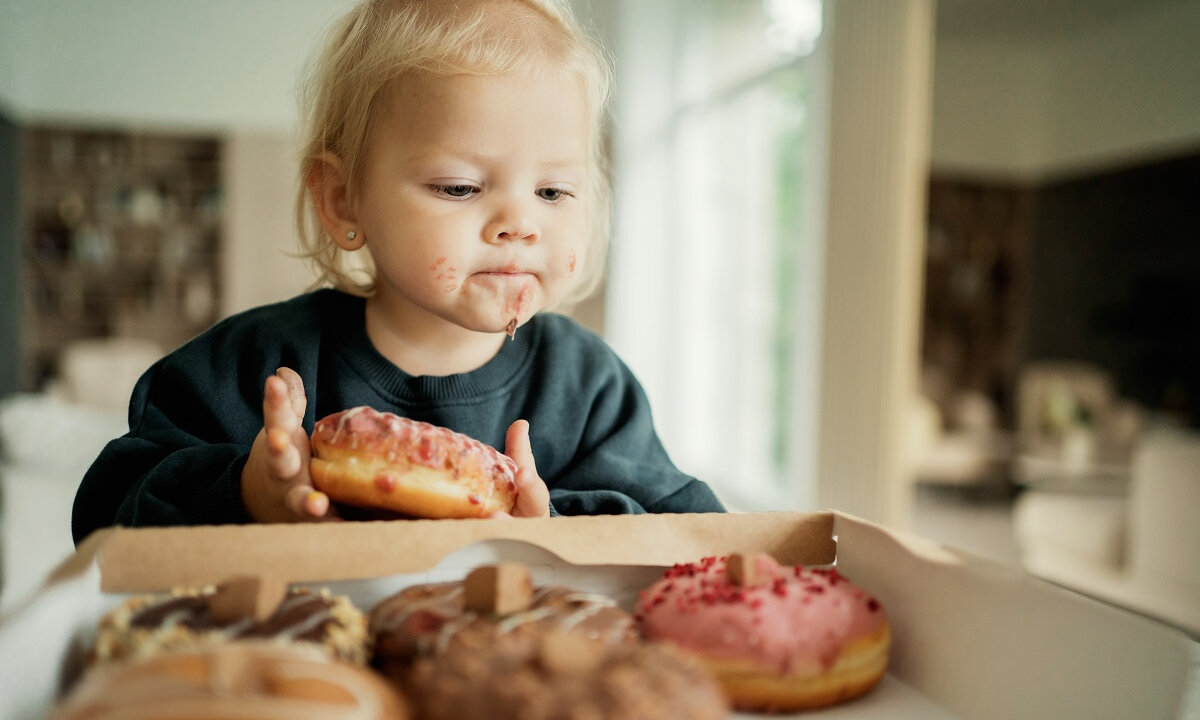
145	559
83	558
987	640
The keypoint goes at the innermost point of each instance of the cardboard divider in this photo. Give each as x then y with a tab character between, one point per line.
144	559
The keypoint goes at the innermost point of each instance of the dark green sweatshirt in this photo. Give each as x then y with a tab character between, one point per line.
195	413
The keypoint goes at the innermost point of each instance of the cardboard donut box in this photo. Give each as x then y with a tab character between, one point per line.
971	638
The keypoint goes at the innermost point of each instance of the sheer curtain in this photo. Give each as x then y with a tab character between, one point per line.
714	283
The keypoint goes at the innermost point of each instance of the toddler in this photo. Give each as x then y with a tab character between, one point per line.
452	189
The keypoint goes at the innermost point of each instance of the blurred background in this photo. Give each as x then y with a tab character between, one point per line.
932	263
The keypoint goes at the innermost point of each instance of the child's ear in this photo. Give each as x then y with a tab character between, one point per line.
327	184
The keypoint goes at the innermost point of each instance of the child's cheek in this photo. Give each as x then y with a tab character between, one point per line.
445	274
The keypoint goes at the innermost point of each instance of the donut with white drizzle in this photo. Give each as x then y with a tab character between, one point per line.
778	638
379	460
562	676
431	619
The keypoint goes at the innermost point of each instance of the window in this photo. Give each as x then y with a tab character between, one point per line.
714	283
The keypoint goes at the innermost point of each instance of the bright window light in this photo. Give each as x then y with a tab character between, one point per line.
714	269
793	26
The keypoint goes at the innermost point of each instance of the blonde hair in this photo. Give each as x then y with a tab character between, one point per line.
378	42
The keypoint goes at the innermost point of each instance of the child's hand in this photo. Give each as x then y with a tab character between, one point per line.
533	497
276	486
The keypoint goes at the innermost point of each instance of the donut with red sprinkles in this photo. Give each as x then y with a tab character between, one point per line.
778	638
377	460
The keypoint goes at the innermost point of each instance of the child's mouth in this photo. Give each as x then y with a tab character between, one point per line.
504	279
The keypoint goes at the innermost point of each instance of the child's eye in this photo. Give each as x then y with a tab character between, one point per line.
457	192
553	194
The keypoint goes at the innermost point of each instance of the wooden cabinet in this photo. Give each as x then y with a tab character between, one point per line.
122	236
976	289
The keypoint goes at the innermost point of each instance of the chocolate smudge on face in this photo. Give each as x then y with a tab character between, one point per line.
522	301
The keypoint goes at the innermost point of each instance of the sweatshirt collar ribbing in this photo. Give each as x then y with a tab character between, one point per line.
494	376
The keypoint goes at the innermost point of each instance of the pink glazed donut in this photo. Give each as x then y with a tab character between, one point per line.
379	460
777	638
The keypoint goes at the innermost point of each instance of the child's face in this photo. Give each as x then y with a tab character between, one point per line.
473	198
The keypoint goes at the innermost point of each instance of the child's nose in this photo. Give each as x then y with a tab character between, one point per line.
511	222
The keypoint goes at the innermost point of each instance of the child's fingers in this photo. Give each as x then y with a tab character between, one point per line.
282	455
517	447
295	387
277	406
307	502
533	497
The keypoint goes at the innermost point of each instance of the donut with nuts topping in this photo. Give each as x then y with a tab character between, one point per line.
560	676
241	608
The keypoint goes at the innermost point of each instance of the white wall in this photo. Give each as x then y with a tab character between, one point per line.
988	100
1127	90
8	55
209	64
1101	96
259	174
185	63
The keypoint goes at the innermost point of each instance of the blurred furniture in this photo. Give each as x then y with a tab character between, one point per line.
48	440
101	372
1074	432
46	445
964	447
1139	549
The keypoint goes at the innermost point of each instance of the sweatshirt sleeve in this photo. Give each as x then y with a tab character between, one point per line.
178	464
621	466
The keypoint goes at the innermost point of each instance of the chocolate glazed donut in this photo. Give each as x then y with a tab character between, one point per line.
241	608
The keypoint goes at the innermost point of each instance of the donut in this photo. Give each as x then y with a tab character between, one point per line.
777	638
562	676
240	608
378	460
493	603
239	680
